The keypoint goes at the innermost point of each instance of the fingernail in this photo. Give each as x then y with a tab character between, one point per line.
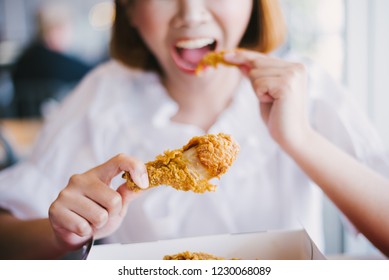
144	181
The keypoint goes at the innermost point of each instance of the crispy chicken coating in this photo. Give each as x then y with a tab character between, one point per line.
191	167
191	256
212	59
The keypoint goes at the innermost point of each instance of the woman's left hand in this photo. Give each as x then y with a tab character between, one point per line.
281	88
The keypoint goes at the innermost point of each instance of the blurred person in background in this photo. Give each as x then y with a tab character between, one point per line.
45	70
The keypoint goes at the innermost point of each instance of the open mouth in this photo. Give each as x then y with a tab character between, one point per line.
188	53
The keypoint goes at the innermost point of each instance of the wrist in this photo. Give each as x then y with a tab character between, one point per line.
299	141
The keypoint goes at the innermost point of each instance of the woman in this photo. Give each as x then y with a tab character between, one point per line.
148	100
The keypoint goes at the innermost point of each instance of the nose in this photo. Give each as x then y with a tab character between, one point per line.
191	13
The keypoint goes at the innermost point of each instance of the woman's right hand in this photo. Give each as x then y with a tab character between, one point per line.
88	207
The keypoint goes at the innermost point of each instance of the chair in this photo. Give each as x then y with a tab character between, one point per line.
31	95
7	154
6	94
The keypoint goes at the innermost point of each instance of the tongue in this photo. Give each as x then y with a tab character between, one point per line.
193	56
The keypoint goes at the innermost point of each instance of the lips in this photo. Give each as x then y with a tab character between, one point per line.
187	53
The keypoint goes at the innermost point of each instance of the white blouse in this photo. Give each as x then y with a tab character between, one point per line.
119	110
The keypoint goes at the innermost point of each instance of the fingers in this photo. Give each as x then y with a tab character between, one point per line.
66	220
108	170
79	215
271	77
252	59
95	212
70	229
241	56
270	88
127	197
281	88
88	206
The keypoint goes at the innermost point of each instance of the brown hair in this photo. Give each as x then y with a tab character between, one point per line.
265	32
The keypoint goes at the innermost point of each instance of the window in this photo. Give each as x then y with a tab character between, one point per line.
316	30
349	39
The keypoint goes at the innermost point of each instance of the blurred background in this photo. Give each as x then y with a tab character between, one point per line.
73	34
347	37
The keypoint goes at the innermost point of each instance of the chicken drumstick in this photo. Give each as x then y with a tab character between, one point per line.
190	168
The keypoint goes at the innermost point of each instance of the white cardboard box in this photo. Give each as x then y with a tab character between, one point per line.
270	245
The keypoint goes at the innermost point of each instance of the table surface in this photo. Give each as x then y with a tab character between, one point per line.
21	134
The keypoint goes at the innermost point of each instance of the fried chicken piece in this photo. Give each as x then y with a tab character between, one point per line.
212	59
191	167
189	256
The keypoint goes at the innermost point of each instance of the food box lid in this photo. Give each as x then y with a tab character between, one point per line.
268	245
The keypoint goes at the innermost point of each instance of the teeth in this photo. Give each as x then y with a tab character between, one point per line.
195	44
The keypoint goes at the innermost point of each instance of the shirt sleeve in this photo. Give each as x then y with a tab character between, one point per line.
25	191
